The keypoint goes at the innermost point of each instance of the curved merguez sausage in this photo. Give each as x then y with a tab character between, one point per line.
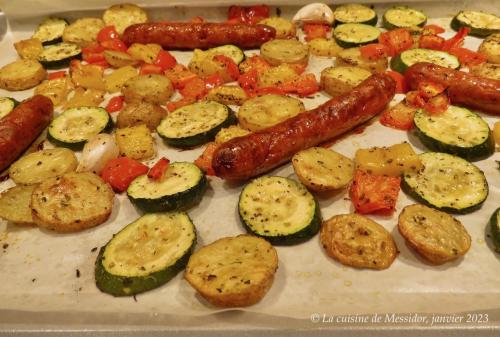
463	88
244	157
184	35
22	126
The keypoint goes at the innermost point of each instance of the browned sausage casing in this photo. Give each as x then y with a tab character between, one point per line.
463	88
22	126
184	35
248	156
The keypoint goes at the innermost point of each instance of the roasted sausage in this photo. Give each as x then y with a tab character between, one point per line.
464	88
22	126
184	35
244	157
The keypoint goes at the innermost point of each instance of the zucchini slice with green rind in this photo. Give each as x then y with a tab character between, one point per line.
448	183
195	124
229	50
7	104
350	35
75	126
481	24
50	30
409	57
403	17
280	210
59	55
457	131
145	254
355	13
182	187
495	229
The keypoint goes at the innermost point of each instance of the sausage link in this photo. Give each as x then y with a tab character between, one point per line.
245	157
184	35
463	88
22	126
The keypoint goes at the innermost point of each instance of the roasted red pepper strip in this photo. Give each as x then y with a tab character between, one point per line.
374	193
468	57
204	161
115	104
93	53
429	89
401	85
107	33
120	172
147	69
374	51
398	117
314	31
437	104
396	41
57	74
213	81
115	44
431	42
179	75
230	65
415	99
433	29
457	40
157	172
250	15
165	60
194	88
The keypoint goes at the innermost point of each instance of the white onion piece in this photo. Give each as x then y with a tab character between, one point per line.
314	13
97	152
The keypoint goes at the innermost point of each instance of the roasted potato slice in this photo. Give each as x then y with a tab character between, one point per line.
85	97
83	32
88	76
39	166
29	49
435	235
490	47
357	241
227	94
322	169
277	75
21	75
324	47
144	52
71	202
234	271
148	88
285	29
114	81
264	111
57	89
141	113
15	205
135	142
123	15
203	64
277	52
488	70
353	57
229	133
337	81
119	59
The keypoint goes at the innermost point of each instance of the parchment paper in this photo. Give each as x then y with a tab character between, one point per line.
38	269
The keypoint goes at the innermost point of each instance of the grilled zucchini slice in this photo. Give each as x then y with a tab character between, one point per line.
481	24
355	13
350	35
182	186
83	32
75	126
495	229
7	104
15	205
145	254
435	235
50	30
409	57
280	210
195	124
59	55
403	17
448	183
457	131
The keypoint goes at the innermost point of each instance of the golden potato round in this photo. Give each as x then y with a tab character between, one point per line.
267	110
229	133
21	75
277	75
83	32
150	88
488	70
233	271
353	57
39	166
140	113
123	15
435	235
324	47
71	202
15	205
322	169
490	47
357	241
280	51
337	81
285	29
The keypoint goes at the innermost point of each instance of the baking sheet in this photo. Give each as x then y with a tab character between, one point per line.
38	268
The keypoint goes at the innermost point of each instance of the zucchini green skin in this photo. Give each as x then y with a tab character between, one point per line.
222	49
456	24
201	138
474	153
179	201
288	240
495	229
55	40
64	63
398	65
78	145
131	285
349	44
372	22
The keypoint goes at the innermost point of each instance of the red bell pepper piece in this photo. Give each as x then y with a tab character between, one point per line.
115	104
396	41
204	161
107	33
165	60
431	42
372	193
374	51
230	65
157	172
57	74
401	85
150	69
315	30
120	172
